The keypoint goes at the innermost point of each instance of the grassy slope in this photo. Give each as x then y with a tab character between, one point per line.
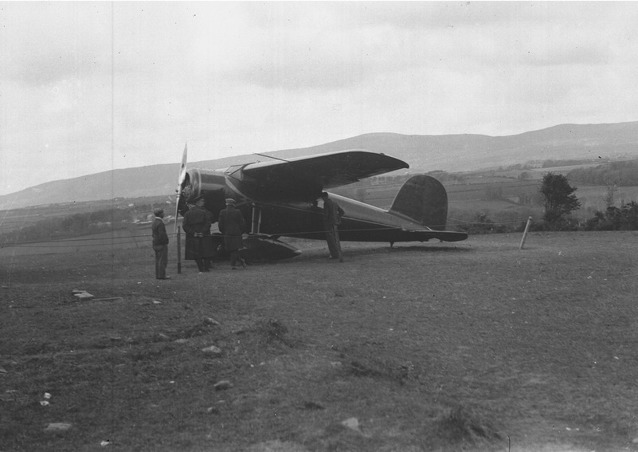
475	346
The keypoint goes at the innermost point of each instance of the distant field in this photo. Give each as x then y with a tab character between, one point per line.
474	346
134	237
594	196
505	199
13	219
502	196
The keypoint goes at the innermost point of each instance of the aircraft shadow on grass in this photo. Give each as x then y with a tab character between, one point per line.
354	253
429	249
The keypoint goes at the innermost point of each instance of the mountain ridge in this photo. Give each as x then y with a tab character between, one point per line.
452	153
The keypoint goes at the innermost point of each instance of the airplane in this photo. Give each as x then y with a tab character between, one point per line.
281	198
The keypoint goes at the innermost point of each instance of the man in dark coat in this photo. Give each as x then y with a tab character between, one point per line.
199	243
332	214
160	244
232	225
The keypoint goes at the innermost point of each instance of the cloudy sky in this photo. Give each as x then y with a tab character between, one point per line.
88	87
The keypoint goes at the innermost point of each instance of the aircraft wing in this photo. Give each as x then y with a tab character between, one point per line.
301	176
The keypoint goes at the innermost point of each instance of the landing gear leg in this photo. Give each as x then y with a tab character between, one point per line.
256	220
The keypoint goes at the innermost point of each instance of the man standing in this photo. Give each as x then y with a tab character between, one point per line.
232	225
160	244
199	245
332	214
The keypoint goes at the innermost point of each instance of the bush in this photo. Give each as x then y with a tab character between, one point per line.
564	224
624	218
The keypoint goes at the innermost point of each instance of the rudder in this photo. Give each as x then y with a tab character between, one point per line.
424	200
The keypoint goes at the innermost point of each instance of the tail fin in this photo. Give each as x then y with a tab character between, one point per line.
423	199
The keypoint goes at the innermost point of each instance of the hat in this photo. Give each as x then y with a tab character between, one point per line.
230	201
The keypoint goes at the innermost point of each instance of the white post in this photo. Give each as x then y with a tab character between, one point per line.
529	220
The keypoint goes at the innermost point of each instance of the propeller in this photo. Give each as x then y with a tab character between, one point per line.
180	180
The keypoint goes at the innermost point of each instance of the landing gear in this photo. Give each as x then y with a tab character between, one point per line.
256	220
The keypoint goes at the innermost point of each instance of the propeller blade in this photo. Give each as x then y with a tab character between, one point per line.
182	168
180	180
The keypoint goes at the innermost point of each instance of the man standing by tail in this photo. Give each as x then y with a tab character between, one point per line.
332	214
160	244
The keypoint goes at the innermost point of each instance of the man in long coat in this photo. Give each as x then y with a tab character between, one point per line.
160	244
199	243
232	224
332	214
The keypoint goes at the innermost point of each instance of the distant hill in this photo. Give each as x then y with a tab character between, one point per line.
452	153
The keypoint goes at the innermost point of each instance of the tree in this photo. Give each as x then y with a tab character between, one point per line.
609	197
559	198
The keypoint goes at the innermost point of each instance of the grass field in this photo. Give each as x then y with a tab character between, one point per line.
472	346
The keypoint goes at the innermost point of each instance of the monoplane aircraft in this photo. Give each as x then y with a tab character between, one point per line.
281	197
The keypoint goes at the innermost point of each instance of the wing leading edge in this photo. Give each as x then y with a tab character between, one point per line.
304	178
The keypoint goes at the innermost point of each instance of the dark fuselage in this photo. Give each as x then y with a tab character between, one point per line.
301	215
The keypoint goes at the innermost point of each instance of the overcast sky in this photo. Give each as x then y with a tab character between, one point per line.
88	87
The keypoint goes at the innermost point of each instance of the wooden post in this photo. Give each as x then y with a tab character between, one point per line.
529	220
179	249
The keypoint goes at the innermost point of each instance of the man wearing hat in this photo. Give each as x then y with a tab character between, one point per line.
160	244
232	225
199	243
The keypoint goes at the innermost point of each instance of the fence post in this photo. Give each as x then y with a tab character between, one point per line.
529	220
179	249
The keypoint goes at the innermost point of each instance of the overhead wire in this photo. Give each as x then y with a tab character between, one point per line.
131	240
